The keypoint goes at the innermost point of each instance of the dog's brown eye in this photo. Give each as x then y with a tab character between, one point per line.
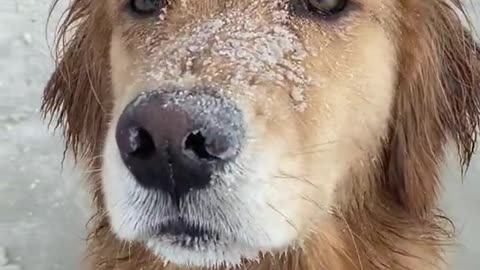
147	7
326	7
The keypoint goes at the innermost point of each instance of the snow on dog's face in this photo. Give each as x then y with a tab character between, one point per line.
234	121
231	129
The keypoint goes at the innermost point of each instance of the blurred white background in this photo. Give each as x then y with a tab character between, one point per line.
41	220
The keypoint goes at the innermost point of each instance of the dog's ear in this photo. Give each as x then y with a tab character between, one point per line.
77	95
437	101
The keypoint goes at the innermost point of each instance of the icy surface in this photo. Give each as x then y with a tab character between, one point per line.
41	224
41	219
4	262
3	256
10	267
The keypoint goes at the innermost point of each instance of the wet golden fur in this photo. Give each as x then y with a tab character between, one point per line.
386	214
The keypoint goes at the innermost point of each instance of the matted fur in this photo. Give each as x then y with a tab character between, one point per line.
386	216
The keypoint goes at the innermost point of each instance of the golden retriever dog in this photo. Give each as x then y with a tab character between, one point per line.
266	134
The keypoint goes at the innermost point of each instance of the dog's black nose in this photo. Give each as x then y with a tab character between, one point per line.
175	142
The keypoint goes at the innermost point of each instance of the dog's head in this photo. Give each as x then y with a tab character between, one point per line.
227	128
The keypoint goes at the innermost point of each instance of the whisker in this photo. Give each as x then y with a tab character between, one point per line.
93	171
311	152
284	216
298	178
357	251
318	145
316	204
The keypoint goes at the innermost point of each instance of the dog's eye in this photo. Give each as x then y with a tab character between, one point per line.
147	7
326	7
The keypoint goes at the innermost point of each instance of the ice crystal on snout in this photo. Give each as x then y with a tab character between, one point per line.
234	51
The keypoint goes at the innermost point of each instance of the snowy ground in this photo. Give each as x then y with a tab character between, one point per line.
40	223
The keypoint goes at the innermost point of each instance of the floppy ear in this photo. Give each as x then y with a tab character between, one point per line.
437	100
77	94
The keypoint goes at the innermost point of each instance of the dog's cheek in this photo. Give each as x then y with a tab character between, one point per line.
126	75
346	119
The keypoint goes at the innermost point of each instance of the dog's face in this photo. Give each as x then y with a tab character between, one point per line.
233	128
234	122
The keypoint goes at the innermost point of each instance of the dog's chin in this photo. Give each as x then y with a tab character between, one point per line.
187	251
191	246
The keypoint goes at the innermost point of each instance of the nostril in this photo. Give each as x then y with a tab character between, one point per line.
195	144
214	147
140	143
